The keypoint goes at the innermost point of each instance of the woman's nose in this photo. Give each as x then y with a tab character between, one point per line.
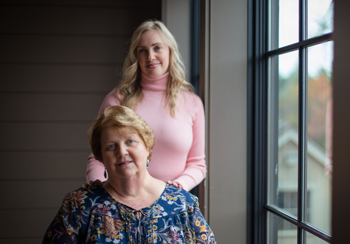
122	150
150	55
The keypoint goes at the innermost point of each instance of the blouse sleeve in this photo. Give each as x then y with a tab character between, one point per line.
95	169
65	227
202	230
195	170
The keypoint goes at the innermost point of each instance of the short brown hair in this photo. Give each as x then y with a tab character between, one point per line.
122	117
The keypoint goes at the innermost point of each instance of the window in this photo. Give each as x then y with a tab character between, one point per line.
290	111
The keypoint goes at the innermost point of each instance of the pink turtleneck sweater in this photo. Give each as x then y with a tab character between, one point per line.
178	154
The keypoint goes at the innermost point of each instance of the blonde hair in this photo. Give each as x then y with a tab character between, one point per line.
130	91
121	117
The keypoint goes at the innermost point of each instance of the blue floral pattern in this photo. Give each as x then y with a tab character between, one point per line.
91	215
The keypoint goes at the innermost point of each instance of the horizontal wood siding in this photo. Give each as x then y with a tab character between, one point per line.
58	60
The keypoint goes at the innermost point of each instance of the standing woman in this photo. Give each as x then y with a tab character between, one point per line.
154	86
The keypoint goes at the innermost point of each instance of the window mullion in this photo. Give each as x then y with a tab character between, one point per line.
302	143
302	121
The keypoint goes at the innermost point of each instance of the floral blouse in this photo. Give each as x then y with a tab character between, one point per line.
91	215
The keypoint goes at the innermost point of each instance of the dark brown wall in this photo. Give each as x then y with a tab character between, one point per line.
58	60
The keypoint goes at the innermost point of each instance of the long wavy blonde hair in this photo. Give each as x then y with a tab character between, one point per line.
130	91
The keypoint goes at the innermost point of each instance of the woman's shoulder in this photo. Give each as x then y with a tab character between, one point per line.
111	99
191	97
175	196
189	94
191	101
112	96
81	195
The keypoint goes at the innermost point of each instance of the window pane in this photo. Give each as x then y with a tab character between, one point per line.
283	132
320	17
283	23
319	131
311	239
280	231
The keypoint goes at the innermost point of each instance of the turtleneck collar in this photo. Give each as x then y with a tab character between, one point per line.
159	84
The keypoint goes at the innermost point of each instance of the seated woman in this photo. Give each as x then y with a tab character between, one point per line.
131	206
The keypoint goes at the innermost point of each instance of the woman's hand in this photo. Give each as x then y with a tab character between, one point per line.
174	184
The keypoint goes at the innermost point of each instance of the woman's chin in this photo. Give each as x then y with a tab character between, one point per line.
154	73
125	171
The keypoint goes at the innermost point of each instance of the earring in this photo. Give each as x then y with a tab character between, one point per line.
105	173
147	164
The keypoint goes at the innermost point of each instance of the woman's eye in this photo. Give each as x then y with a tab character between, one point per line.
141	50
131	141
157	48
110	147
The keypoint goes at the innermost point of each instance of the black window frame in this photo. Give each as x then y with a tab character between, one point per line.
257	167
194	56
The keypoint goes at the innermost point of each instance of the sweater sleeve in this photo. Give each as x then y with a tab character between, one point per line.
195	170
95	169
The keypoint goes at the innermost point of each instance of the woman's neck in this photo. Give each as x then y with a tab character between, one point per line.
156	85
130	187
137	192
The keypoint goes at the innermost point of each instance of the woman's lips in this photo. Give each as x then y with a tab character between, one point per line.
124	163
153	66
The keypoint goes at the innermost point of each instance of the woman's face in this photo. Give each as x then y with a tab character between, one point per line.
152	54
123	151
